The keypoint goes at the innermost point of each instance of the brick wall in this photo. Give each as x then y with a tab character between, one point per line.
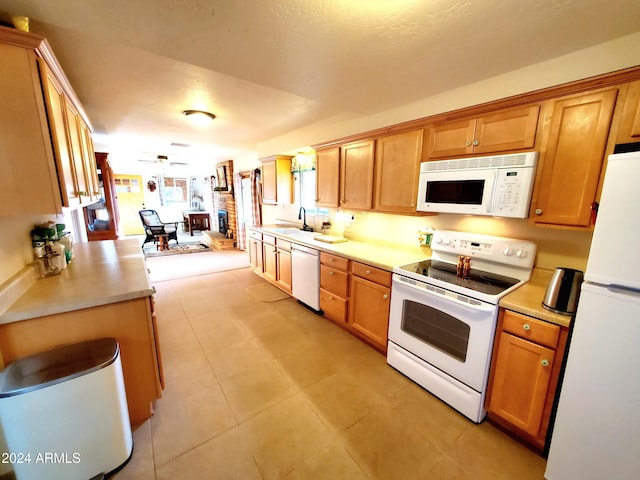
225	200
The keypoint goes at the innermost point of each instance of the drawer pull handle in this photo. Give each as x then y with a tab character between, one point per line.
385	296
331	260
331	273
526	326
367	272
544	362
330	297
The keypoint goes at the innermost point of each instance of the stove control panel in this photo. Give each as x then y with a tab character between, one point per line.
508	251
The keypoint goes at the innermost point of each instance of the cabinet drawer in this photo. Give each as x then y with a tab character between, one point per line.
334	281
529	328
333	306
283	244
270	239
373	274
340	263
256	235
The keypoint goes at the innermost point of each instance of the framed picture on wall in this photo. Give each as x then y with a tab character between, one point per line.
222	177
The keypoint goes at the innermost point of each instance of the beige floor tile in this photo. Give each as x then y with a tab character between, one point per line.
140	466
341	400
223	336
443	424
283	342
308	368
387	447
489	453
225	457
187	374
447	469
235	359
204	322
284	436
332	463
252	391
183	423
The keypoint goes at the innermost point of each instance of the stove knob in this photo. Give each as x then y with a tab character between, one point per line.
446	241
508	251
521	253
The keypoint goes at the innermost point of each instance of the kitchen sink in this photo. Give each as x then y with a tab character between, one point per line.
292	232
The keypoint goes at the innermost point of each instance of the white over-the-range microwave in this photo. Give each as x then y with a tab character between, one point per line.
499	185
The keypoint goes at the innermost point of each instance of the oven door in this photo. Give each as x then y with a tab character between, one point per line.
447	330
463	191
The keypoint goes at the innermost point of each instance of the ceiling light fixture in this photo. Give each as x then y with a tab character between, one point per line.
199	117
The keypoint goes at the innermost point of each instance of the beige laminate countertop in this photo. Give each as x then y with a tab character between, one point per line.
528	299
101	273
375	255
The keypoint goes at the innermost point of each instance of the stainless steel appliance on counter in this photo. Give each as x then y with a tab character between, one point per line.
597	426
444	313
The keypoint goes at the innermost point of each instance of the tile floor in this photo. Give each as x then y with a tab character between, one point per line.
272	391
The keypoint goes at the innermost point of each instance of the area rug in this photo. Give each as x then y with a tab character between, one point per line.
263	292
150	249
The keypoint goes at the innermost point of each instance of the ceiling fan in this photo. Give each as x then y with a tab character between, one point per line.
163	160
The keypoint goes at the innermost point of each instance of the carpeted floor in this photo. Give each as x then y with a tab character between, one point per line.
171	267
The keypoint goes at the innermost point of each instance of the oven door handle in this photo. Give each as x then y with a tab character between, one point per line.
449	296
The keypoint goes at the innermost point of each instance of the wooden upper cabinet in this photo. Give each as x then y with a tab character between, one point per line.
572	158
356	175
502	131
629	131
55	100
89	162
397	167
328	177
28	176
277	185
76	149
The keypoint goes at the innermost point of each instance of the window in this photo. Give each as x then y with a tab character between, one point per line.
304	184
175	190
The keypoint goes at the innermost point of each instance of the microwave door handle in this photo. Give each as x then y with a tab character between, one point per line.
492	181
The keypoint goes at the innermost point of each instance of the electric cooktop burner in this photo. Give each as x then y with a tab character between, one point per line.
478	280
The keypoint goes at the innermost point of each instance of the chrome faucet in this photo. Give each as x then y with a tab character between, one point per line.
302	215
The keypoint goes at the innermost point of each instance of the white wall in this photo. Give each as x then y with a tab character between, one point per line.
607	57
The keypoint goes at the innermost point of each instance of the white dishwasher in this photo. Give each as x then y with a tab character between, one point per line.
305	275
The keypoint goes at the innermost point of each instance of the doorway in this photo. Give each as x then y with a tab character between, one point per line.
130	196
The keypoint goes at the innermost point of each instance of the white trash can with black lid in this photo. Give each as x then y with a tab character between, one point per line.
64	412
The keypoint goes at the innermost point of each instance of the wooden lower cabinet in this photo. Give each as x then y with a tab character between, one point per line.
283	265
255	251
527	360
269	258
356	297
369	311
334	287
130	322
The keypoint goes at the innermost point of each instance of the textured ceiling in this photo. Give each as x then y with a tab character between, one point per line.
268	67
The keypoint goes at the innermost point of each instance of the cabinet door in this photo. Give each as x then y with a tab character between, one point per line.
356	175
284	270
451	139
507	130
28	176
269	182
255	255
270	262
520	382
397	170
369	311
54	97
76	150
328	177
630	124
573	159
89	161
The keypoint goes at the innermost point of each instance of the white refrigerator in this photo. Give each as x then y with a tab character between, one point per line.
597	428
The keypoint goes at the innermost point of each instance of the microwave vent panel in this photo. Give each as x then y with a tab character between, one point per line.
475	163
